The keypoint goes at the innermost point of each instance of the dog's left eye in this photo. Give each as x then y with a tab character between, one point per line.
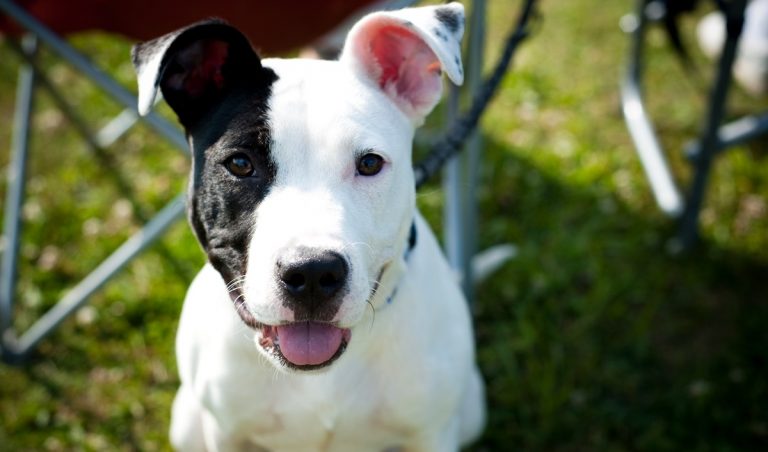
370	164
239	165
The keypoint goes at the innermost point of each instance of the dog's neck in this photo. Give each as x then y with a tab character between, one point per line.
394	272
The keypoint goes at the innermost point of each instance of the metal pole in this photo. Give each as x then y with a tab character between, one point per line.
733	134
100	276
15	195
45	83
689	231
742	130
120	94
460	177
640	127
452	209
471	158
117	127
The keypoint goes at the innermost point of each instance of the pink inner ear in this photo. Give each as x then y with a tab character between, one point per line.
208	67
408	67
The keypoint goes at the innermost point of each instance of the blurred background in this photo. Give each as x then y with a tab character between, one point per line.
592	338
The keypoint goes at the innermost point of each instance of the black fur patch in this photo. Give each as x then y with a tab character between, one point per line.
214	81
222	206
449	18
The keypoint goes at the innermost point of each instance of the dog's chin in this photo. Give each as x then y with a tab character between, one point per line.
303	346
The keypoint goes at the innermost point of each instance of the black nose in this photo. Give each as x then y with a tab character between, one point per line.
312	276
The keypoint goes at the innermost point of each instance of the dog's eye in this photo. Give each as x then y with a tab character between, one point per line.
370	164
239	165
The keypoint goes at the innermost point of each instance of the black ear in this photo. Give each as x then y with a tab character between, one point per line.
194	67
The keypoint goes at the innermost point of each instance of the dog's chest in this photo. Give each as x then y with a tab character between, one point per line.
324	413
376	396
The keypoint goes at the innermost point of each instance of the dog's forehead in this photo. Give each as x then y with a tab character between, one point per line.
323	106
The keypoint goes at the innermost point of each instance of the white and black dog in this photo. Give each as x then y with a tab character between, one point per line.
327	318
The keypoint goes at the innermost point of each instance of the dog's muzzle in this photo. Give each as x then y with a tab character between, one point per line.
312	284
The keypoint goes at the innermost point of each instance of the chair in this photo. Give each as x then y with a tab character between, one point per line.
714	138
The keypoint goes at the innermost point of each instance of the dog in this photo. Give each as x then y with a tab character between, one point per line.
327	317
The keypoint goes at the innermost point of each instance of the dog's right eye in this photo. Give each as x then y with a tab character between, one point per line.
370	164
239	165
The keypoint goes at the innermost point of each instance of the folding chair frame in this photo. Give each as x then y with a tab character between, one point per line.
14	347
713	138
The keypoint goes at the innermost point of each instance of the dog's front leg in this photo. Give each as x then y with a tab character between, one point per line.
193	429
187	422
444	440
217	440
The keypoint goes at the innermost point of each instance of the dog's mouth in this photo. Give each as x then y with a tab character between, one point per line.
305	345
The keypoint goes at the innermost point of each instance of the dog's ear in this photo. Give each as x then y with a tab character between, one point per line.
194	67
404	53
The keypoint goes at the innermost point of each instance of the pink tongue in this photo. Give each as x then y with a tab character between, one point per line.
309	343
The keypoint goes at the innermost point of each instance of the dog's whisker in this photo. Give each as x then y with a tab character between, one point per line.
236	286
240	306
235	282
374	291
276	375
373	314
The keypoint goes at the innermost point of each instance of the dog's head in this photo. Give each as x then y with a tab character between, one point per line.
302	190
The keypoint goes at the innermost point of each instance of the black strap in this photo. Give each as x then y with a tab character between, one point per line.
411	239
460	128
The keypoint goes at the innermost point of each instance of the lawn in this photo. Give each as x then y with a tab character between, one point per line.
592	339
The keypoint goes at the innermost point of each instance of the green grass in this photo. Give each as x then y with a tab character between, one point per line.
593	338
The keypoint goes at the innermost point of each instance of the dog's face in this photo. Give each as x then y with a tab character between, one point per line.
302	192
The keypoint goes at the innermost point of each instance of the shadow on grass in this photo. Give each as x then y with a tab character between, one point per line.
594	338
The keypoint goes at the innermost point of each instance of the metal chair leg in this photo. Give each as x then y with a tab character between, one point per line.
639	122
710	142
460	180
15	195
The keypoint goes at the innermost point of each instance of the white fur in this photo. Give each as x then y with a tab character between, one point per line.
407	378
